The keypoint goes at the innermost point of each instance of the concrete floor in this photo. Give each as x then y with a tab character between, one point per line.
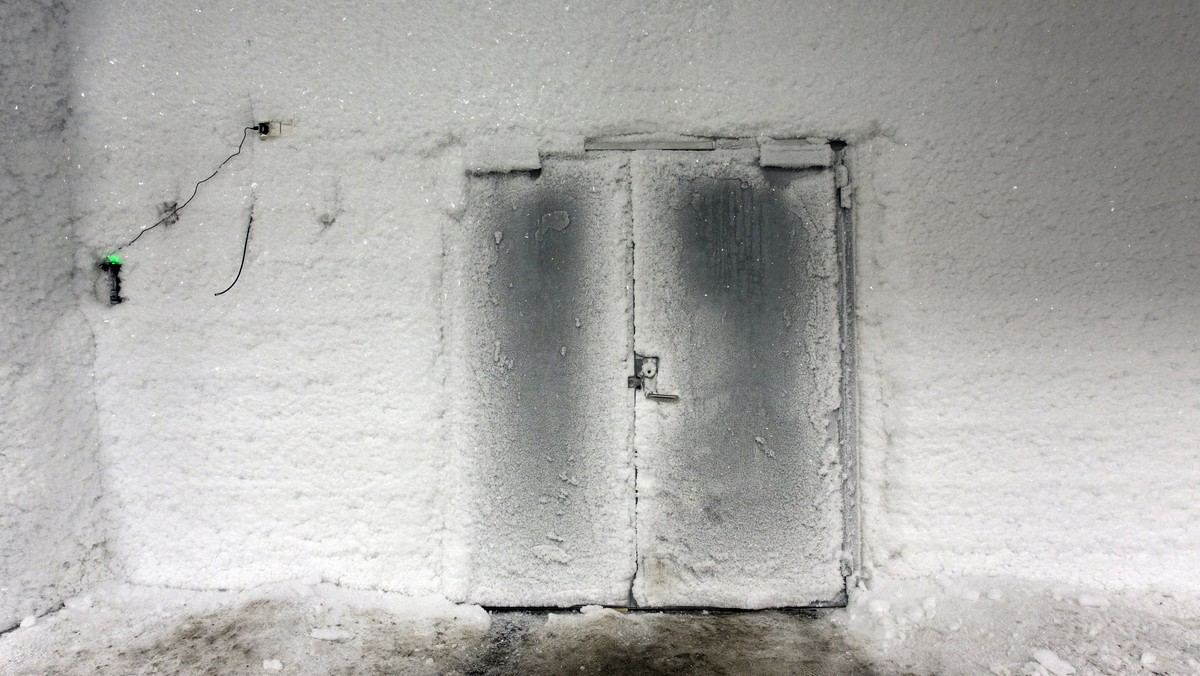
1008	628
276	636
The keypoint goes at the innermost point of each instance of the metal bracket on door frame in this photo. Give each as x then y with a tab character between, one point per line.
783	153
504	154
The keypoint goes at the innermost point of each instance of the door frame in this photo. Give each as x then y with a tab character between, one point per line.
785	153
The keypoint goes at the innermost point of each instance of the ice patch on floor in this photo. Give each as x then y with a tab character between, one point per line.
1014	627
297	627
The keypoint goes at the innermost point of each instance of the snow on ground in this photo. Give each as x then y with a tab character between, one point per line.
293	628
1010	626
959	626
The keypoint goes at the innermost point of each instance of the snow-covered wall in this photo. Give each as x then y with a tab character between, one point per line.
1028	237
51	530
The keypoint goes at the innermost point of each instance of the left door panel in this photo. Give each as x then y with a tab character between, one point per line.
540	415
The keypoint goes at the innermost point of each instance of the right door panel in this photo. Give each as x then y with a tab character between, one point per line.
739	487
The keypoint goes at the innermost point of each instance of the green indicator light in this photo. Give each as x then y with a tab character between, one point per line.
114	259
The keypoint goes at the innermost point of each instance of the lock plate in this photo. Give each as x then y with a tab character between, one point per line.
645	367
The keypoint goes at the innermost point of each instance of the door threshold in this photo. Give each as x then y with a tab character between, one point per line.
710	610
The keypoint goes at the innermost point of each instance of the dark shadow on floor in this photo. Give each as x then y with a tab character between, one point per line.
608	642
310	636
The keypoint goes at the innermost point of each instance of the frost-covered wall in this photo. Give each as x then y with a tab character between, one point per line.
51	533
1028	253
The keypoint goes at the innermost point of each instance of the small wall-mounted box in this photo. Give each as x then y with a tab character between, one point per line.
274	128
108	285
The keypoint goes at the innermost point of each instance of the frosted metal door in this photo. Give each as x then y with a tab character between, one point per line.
739	482
578	489
540	413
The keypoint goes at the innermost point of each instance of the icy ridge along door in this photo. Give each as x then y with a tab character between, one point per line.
540	413
739	500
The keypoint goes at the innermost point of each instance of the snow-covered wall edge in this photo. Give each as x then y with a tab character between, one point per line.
52	534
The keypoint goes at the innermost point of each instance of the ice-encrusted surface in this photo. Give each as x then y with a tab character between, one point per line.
1026	200
541	413
51	526
295	414
739	481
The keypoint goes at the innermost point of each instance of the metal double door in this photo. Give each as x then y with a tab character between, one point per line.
649	374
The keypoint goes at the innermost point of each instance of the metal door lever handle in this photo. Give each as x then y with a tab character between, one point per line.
646	368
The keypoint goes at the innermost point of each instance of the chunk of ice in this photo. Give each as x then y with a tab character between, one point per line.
1093	601
1053	663
330	634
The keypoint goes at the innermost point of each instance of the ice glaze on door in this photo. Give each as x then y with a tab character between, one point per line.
739	482
729	274
541	416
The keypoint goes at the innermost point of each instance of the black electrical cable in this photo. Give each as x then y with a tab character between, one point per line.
245	247
179	208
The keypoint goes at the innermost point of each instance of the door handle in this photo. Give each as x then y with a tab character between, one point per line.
646	369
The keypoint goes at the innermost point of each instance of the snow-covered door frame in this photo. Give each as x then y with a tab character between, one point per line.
566	267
